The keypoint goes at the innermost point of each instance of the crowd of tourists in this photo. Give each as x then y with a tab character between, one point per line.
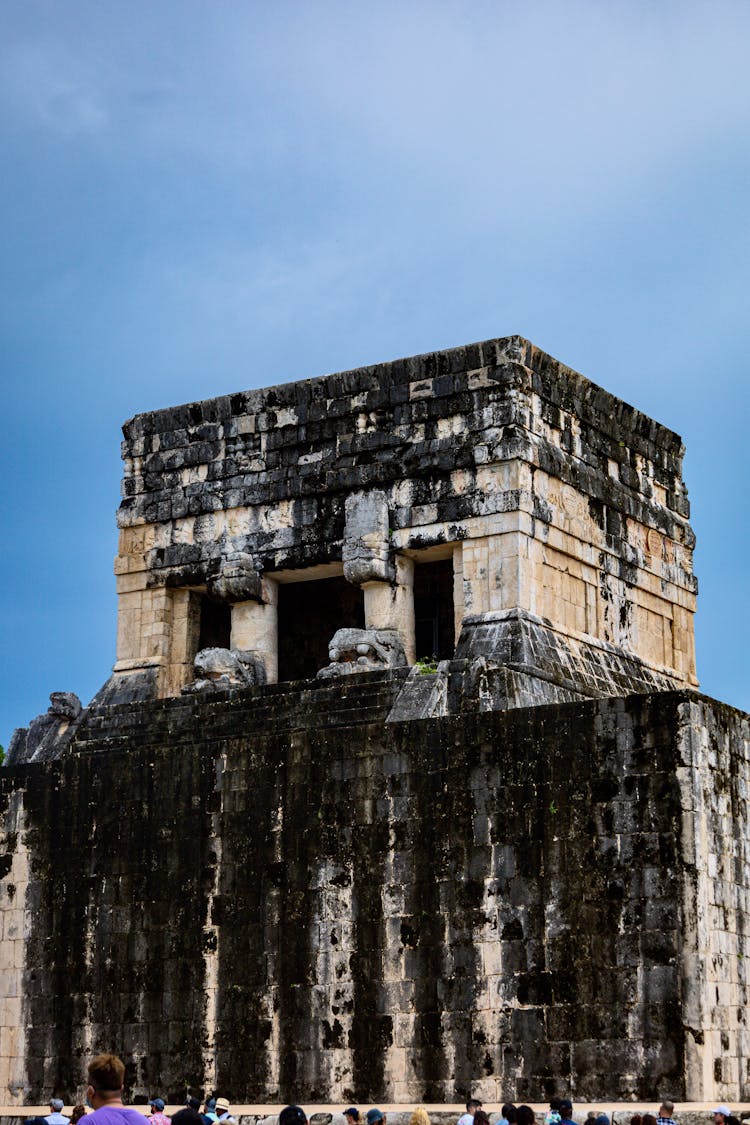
104	1106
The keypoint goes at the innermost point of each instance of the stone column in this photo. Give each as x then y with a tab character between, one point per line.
391	605
186	613
388	584
255	627
458	590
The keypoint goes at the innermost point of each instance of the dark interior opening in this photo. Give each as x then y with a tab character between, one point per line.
216	625
433	610
309	615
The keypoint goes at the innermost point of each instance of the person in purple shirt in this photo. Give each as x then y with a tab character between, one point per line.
106	1080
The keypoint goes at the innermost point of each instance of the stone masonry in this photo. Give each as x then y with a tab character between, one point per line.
552	499
400	786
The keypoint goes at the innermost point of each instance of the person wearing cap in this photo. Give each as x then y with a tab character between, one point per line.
375	1117
664	1116
158	1116
722	1114
566	1112
293	1115
56	1116
472	1106
352	1116
191	1114
222	1110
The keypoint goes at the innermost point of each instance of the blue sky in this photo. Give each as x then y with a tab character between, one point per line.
199	198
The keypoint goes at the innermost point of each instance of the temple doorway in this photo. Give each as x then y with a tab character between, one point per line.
309	615
434	626
215	625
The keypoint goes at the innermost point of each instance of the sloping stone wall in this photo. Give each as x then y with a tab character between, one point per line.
276	893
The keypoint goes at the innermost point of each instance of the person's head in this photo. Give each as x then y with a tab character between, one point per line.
473	1105
481	1118
352	1115
721	1113
210	1105
192	1102
157	1105
290	1115
222	1106
373	1117
566	1107
636	1119
554	1104
525	1115
602	1119
106	1076
79	1111
509	1112
649	1119
420	1116
666	1109
56	1105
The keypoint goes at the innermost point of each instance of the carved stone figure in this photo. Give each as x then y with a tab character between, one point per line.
365	550
363	650
216	669
238	580
48	735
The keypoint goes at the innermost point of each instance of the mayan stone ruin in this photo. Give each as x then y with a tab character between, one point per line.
401	785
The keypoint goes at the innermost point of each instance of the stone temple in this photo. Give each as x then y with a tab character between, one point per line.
401	785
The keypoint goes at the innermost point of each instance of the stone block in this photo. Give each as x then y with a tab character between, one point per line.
366	548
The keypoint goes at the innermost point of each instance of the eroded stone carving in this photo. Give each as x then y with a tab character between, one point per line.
238	580
365	550
48	735
363	650
216	669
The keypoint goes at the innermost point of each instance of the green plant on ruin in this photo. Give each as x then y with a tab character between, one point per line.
426	665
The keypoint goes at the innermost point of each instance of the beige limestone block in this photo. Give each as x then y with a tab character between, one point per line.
476	575
130	583
10	1014
505	571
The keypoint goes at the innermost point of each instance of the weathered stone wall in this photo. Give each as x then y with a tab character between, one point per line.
715	779
277	893
550	495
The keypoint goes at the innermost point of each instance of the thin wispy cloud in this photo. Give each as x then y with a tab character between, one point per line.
43	84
